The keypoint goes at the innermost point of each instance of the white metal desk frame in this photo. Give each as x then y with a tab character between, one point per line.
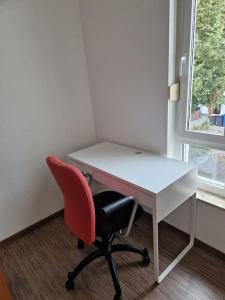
84	166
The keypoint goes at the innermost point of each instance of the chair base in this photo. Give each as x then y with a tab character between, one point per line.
105	249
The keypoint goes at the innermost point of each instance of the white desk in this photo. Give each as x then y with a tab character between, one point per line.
159	183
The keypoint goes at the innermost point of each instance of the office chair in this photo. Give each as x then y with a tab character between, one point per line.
89	217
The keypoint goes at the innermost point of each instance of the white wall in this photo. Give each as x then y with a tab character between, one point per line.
127	55
45	104
210	223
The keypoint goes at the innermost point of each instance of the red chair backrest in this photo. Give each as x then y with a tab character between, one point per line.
79	212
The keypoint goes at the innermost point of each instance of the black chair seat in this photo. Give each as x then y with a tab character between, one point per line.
106	225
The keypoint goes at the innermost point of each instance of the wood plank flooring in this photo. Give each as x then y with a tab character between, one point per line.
36	266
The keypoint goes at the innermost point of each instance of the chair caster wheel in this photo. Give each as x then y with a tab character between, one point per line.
80	244
118	297
146	260
70	285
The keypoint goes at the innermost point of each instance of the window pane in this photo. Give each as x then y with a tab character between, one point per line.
207	111
211	162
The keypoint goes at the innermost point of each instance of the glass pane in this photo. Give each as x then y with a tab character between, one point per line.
207	111
211	162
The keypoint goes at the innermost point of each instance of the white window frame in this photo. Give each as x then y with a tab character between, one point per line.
185	46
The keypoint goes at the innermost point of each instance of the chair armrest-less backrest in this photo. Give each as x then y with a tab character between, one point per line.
79	211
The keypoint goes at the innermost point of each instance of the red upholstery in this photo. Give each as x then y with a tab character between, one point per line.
79	211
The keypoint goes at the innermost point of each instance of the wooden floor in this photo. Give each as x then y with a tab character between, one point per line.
36	265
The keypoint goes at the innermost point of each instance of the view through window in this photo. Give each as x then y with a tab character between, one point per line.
207	111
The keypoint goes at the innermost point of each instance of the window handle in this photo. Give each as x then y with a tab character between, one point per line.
183	61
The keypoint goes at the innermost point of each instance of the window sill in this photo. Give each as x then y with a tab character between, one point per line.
211	199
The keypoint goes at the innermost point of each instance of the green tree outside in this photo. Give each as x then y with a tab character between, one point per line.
209	60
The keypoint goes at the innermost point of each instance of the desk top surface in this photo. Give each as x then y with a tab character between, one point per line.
141	168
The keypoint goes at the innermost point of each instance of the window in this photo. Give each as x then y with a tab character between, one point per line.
201	50
207	100
211	167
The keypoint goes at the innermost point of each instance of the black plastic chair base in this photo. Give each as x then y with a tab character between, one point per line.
105	249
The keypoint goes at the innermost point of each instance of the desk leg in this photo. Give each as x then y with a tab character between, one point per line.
155	244
159	277
193	219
